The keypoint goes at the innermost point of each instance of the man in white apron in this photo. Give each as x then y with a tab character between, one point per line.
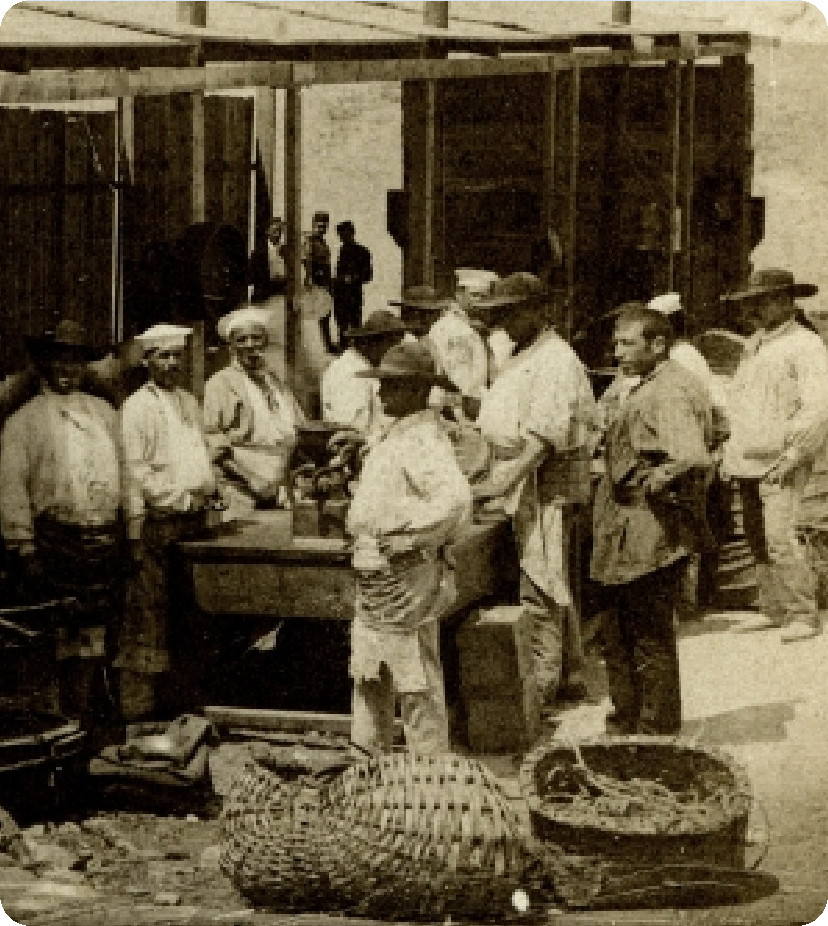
168	482
250	417
538	417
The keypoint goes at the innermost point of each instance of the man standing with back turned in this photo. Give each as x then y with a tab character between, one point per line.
648	518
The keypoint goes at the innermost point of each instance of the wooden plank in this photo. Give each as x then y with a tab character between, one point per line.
125	161
285	721
673	92
197	194
574	105
293	219
736	156
549	153
687	175
31	57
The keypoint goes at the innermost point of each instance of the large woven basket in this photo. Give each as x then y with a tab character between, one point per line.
399	837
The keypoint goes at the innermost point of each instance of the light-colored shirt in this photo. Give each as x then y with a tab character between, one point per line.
459	352
59	456
166	460
256	421
544	392
778	401
348	400
411	489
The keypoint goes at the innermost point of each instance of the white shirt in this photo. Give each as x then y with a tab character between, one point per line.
59	456
348	400
165	454
778	401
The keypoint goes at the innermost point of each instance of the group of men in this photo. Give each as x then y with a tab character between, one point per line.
82	483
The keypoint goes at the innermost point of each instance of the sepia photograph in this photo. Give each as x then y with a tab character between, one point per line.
413	463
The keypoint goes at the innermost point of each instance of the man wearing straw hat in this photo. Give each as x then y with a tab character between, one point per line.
349	400
779	422
538	417
410	503
250	416
168	484
60	499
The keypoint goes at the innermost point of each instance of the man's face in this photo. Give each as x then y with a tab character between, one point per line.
766	312
248	346
374	349
164	366
320	227
402	396
274	232
636	354
63	374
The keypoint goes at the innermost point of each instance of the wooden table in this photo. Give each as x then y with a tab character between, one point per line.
259	571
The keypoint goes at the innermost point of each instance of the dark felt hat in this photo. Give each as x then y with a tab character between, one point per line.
68	340
769	282
409	360
378	325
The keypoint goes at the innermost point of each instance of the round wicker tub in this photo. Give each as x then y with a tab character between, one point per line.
678	765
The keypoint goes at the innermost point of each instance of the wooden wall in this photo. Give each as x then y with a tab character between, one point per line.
56	217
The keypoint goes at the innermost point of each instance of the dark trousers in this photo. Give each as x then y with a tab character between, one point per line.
640	652
347	306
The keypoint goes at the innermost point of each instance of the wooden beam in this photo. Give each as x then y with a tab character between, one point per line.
125	166
673	91
285	721
293	221
572	197
34	56
687	186
198	202
549	151
191	12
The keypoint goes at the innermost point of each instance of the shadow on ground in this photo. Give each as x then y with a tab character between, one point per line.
755	723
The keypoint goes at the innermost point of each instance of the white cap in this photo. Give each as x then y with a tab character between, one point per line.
666	304
163	336
475	282
240	318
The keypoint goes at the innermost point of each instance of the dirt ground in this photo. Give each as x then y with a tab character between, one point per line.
762	701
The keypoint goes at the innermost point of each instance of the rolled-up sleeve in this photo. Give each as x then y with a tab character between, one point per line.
808	429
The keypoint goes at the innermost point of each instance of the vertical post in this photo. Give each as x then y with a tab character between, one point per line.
673	90
737	76
198	204
572	194
191	12
622	12
293	221
125	160
436	14
549	151
686	188
429	180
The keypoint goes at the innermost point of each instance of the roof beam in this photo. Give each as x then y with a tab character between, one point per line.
34	56
98	83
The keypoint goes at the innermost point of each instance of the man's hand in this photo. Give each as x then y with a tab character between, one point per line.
780	470
658	479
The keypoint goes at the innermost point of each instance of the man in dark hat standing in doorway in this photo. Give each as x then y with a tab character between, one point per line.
779	422
60	497
353	271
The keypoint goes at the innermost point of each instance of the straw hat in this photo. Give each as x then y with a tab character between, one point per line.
409	360
771	281
68	340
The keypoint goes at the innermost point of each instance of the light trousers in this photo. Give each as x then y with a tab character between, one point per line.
785	577
424	716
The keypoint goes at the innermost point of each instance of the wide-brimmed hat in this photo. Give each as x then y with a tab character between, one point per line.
520	288
67	340
409	360
379	324
769	282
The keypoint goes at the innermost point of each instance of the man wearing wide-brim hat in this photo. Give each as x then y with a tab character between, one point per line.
779	422
538	416
60	499
351	401
411	501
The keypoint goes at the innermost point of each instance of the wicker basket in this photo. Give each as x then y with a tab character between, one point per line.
399	837
599	847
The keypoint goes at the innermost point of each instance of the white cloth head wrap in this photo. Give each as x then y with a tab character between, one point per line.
666	304
163	336
241	318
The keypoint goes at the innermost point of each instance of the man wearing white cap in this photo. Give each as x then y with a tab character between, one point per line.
250	416
168	481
